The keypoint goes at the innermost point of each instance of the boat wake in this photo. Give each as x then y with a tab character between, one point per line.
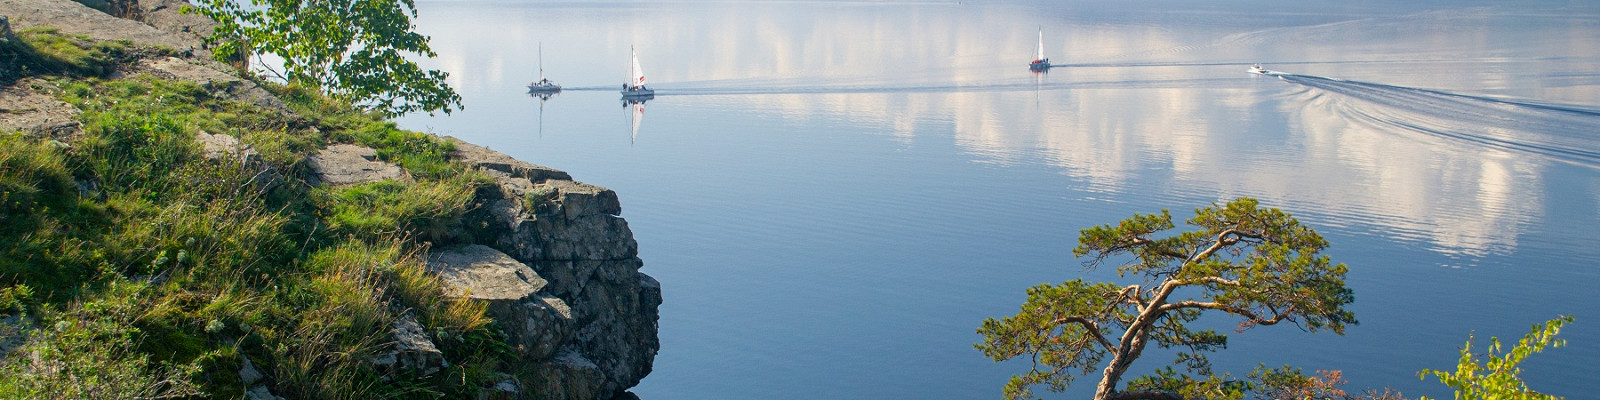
732	88
1568	133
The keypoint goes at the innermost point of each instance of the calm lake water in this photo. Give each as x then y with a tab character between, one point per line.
834	195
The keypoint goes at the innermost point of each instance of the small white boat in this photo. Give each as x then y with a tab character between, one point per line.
1039	62
635	87
543	85
1258	70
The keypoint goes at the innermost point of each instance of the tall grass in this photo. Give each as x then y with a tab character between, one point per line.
154	271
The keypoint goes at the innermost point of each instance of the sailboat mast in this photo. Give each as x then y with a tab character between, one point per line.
541	61
633	62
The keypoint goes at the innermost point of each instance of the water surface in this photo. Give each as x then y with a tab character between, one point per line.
835	194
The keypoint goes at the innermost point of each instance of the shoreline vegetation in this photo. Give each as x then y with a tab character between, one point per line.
156	270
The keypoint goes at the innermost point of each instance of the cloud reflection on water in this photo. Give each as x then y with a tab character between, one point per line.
1242	136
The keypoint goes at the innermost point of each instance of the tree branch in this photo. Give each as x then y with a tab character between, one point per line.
1092	327
1277	316
1140	241
1207	279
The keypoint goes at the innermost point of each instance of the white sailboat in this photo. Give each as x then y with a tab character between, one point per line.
1039	62
635	87
543	87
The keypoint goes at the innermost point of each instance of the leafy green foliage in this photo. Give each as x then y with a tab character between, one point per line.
1257	264
353	50
1496	375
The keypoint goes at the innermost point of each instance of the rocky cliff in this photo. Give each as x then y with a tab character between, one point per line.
551	256
587	315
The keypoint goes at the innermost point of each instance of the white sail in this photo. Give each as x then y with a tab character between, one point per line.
1039	56
637	78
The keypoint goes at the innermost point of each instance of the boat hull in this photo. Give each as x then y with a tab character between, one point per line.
639	93
1041	65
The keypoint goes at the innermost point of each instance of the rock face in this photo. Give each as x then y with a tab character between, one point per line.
571	236
168	16
23	107
74	18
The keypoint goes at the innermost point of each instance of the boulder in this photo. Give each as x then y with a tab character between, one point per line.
535	324
411	350
348	164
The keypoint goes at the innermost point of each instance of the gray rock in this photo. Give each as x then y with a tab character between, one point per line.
348	164
509	388
77	19
578	199
480	272
617	325
260	393
411	350
168	16
568	375
592	237
588	257
248	374
482	157
535	324
228	149
211	77
25	107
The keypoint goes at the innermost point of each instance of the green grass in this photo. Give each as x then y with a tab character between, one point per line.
45	50
153	271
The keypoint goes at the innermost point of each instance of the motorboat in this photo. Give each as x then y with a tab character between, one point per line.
543	86
1040	63
635	87
1258	70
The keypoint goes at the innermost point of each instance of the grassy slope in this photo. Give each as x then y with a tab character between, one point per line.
151	270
